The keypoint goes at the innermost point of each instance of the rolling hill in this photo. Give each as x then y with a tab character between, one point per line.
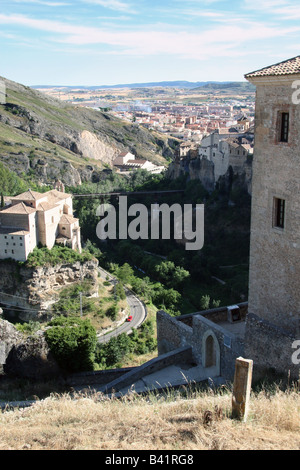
47	139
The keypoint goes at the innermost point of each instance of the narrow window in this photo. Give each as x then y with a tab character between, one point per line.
279	212
284	128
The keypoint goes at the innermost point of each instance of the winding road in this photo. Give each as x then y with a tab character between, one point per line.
137	310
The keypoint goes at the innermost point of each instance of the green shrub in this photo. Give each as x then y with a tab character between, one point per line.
28	328
119	291
57	254
72	341
112	312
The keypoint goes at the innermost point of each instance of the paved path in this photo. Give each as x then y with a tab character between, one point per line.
136	306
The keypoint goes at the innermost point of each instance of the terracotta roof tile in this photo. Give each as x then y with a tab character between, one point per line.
67	219
20	208
287	67
13	231
29	196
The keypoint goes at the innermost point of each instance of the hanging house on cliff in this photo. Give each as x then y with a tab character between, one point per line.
34	218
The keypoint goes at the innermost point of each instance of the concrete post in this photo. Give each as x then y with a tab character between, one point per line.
241	388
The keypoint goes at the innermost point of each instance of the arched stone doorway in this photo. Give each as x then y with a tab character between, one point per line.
211	351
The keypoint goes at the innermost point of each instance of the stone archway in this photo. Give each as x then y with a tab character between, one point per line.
211	351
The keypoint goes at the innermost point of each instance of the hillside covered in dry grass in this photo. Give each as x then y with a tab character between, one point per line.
199	421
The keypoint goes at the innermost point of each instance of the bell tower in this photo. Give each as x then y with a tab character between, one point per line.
274	275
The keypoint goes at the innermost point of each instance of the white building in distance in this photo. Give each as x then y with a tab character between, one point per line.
34	218
127	161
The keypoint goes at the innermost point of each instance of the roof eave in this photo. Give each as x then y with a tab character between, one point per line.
273	79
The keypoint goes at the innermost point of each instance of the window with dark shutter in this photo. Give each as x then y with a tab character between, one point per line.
284	128
279	212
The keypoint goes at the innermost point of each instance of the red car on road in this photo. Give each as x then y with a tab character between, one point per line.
129	318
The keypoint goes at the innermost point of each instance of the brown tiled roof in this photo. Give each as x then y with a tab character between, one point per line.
67	219
57	194
29	196
287	67
13	231
45	206
138	161
20	208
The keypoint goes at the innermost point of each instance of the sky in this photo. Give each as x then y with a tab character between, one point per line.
108	42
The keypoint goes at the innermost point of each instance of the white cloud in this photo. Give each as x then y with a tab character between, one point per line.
264	4
289	12
228	40
285	9
112	4
42	2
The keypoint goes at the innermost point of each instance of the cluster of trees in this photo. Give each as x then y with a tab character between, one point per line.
11	184
156	292
119	348
73	342
41	256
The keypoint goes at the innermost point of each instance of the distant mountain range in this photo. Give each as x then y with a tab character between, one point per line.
172	84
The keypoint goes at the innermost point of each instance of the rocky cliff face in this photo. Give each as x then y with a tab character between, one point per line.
202	170
36	289
31	358
9	337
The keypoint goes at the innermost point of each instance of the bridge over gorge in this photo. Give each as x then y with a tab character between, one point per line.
128	193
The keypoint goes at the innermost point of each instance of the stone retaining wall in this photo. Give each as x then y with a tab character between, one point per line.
175	332
179	356
261	334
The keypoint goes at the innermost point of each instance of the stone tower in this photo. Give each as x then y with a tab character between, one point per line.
274	277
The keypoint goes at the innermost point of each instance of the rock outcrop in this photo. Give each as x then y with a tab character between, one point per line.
9	337
36	289
32	359
202	170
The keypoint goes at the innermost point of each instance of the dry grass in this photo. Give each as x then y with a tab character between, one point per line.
200	422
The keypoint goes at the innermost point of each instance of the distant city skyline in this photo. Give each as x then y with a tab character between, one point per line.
107	42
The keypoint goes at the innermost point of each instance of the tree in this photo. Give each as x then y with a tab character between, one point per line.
125	273
120	291
170	274
73	342
204	302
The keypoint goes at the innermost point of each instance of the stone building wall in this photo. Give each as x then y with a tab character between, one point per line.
262	335
274	292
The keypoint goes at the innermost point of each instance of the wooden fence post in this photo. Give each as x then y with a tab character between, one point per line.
242	388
